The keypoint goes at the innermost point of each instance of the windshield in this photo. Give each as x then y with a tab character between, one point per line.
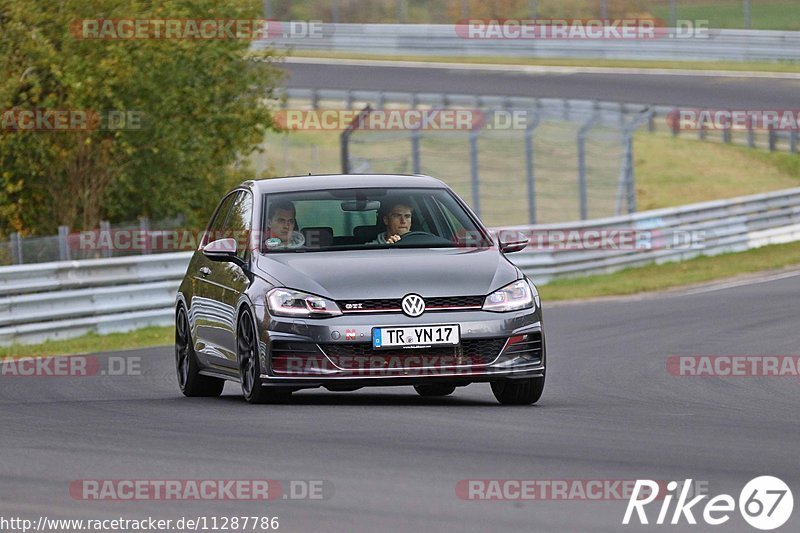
347	219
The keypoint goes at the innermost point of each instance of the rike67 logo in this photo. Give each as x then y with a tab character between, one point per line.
765	503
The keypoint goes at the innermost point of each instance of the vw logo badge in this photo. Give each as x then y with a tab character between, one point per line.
413	305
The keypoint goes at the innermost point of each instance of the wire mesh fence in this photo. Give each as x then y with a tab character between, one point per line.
734	14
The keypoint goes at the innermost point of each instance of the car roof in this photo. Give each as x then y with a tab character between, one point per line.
344	181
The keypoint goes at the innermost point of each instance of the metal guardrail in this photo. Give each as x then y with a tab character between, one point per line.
733	225
64	299
69	298
447	40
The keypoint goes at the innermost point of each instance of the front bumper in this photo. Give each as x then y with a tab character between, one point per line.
337	352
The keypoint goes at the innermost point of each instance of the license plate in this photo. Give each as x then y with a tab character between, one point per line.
415	337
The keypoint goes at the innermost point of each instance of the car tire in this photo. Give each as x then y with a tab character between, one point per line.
190	381
250	367
438	389
518	392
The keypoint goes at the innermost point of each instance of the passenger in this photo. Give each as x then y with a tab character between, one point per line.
282	227
397	218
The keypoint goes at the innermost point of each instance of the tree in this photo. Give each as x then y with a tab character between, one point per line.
202	106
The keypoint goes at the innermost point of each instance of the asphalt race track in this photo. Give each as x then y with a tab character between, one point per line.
726	92
610	411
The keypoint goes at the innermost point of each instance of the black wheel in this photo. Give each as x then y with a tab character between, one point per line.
189	379
518	392
438	389
249	367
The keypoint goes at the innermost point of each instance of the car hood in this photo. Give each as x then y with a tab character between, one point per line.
368	274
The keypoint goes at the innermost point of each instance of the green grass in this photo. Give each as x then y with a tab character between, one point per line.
765	14
93	343
658	277
737	66
673	171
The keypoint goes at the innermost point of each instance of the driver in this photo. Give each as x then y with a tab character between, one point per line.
397	218
282	225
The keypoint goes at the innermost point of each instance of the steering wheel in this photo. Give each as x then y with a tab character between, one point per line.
412	233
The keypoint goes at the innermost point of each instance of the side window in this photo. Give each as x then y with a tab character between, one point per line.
214	230
238	224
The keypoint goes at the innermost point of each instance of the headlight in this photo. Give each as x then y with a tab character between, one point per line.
517	295
288	302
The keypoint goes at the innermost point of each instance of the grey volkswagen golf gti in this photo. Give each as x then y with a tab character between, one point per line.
349	281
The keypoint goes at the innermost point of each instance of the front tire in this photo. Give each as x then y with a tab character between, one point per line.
438	389
518	392
190	381
250	368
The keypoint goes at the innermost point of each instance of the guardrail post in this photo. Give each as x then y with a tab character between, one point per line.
651	122
565	109
105	229
381	100
314	99
349	100
63	243
726	135
773	139
701	133
751	136
16	248
530	173
793	141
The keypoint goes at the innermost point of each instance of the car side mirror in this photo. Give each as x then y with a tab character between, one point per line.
512	241
223	250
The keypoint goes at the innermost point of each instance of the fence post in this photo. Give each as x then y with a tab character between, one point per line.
751	137
529	167
105	229
793	141
63	243
748	19
473	168
726	134
773	139
16	248
583	200
415	165
344	138
144	229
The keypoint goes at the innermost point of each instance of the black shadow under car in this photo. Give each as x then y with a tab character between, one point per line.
349	281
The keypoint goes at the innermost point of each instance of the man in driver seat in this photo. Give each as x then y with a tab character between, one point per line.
397	217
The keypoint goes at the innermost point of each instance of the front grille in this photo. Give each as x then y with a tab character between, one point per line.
361	355
393	305
529	348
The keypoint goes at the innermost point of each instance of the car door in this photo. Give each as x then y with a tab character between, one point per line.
232	278
207	301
